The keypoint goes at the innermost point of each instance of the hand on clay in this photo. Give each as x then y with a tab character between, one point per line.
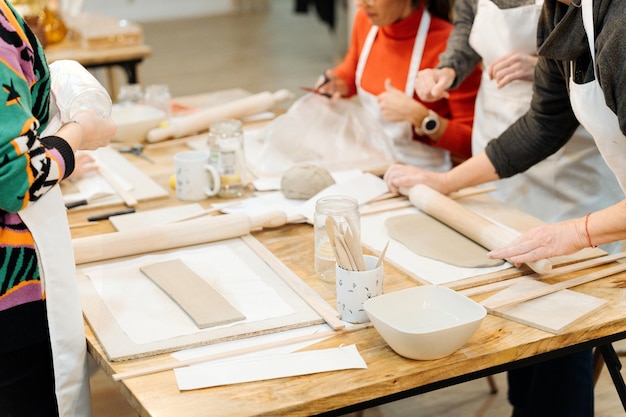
432	84
400	178
511	67
332	85
543	242
83	165
395	105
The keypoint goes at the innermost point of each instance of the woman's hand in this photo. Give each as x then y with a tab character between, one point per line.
331	85
83	165
400	178
432	84
511	67
544	242
396	106
97	132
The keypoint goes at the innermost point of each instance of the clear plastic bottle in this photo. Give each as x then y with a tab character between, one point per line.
227	156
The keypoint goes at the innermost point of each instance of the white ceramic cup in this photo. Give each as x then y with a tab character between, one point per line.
355	287
196	179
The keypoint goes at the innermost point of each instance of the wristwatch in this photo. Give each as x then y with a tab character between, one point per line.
430	124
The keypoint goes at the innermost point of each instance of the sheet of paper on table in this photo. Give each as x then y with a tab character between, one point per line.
271	366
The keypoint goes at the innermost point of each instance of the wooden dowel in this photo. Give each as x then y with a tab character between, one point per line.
532	294
222	355
575	267
396	202
119	189
317	303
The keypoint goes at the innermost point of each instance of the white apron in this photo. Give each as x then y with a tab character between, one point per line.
47	221
570	183
405	149
592	112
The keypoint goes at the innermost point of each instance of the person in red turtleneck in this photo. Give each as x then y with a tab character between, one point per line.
391	41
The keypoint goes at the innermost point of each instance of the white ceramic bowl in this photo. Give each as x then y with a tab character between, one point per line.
134	121
425	322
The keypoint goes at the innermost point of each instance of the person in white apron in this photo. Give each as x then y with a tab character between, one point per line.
403	129
567	34
43	358
573	181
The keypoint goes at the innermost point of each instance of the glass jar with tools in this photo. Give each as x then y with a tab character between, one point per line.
227	156
336	219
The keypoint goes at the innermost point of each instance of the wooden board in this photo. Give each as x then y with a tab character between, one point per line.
552	313
142	187
206	306
118	345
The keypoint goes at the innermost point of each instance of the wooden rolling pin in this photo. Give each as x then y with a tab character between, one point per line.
200	120
172	235
467	222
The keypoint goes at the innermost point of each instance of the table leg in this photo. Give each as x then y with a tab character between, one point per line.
614	366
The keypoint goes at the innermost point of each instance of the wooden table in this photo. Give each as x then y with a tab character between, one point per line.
125	57
497	346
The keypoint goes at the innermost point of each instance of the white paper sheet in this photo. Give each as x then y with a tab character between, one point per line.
374	236
147	218
364	188
147	314
271	366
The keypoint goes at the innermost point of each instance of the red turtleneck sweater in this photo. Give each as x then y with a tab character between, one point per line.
390	57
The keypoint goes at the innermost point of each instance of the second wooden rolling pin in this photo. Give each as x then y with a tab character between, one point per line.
200	120
172	235
467	222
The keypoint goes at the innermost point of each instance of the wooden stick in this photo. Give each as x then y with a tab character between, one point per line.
589	263
530	295
109	177
575	267
389	201
316	302
250	349
82	224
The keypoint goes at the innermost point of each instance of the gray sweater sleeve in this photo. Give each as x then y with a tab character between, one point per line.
459	55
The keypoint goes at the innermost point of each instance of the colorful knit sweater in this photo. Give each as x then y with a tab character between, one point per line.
390	57
29	166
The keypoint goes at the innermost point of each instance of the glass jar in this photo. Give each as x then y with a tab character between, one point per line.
345	212
227	156
158	96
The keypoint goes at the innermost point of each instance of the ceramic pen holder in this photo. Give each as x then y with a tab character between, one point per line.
355	287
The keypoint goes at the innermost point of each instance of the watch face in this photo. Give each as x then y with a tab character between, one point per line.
430	125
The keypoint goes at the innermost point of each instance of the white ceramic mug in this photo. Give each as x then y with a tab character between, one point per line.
355	287
196	179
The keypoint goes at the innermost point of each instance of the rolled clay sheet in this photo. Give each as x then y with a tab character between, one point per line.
200	120
467	222
170	236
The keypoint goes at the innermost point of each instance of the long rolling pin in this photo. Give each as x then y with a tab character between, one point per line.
200	120
465	221
172	235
